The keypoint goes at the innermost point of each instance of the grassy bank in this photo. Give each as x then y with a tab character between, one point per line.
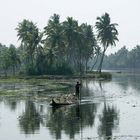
14	86
44	85
89	74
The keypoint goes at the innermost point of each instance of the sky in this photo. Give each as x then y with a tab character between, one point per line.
124	12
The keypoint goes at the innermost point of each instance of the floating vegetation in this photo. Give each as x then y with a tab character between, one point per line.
31	87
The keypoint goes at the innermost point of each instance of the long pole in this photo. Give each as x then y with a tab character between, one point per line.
80	96
80	112
80	75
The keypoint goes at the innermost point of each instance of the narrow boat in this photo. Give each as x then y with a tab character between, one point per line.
54	104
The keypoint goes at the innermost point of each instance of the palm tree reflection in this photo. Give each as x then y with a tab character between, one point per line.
30	120
108	121
11	103
71	119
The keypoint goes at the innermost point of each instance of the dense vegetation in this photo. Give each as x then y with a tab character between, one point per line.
61	48
123	59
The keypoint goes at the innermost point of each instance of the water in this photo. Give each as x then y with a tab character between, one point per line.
108	110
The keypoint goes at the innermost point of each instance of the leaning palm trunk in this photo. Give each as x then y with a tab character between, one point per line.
13	70
101	62
31	59
96	60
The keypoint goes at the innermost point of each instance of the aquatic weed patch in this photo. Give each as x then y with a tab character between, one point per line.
26	87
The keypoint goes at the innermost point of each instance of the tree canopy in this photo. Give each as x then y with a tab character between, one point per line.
62	47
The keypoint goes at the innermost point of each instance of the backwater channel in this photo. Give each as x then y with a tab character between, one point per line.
108	110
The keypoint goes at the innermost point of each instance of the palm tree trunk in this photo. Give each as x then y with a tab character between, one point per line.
101	62
86	66
14	70
31	59
95	62
80	62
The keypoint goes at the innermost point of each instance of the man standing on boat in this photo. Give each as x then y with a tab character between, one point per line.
77	89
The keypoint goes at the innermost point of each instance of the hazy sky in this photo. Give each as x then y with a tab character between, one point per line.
124	12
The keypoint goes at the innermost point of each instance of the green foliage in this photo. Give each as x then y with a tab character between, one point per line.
60	69
14	59
105	75
67	42
89	43
64	69
123	59
4	59
107	32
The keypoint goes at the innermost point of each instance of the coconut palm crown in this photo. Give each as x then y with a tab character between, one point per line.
106	32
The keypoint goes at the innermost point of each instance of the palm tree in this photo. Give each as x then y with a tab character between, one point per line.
70	32
30	38
5	62
54	38
88	43
106	34
14	59
40	60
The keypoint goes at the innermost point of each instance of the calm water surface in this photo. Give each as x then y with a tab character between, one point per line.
108	110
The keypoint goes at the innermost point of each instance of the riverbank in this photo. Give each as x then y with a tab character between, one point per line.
44	85
89	74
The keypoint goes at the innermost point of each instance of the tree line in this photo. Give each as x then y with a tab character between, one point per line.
61	48
123	59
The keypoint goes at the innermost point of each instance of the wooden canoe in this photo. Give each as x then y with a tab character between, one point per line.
54	104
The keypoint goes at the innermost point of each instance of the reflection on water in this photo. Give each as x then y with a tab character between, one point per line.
102	114
108	121
12	104
30	119
69	119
